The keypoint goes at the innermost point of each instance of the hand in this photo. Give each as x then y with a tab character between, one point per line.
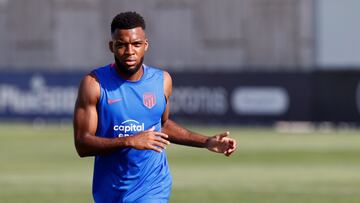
149	139
221	143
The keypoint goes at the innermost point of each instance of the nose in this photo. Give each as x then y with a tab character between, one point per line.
129	49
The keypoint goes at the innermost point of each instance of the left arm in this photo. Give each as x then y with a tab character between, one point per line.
220	143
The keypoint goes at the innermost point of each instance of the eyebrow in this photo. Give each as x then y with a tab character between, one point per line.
135	41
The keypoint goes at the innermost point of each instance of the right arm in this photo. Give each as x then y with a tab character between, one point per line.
85	125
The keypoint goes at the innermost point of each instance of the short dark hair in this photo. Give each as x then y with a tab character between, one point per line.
127	20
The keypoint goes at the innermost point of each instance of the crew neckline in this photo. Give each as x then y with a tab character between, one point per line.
118	76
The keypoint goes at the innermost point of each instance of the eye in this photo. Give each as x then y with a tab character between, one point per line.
137	44
119	45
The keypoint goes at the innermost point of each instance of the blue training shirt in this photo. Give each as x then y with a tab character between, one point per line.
126	108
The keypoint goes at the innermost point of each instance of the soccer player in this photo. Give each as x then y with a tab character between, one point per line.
122	118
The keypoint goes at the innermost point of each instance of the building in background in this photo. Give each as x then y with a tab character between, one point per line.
274	59
231	34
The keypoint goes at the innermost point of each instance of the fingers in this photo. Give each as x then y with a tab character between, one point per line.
155	148
160	134
231	147
157	141
150	140
229	152
158	145
224	134
151	129
162	140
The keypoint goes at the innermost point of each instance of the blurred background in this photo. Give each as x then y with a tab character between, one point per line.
282	75
234	61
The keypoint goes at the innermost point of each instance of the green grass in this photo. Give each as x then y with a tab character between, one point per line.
40	165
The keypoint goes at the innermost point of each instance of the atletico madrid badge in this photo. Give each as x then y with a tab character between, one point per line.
149	99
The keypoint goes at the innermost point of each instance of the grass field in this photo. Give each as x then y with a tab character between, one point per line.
40	165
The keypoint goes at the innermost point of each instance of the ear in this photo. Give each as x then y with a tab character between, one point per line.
146	44
111	46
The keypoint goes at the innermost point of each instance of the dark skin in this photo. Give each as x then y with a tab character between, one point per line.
129	47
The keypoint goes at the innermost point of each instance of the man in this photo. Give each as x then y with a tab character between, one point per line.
122	118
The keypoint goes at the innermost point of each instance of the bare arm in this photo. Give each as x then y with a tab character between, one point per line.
85	125
220	143
180	135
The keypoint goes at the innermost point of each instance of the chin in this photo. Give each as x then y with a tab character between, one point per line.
130	70
126	69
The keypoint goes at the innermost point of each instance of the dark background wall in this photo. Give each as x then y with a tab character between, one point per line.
233	98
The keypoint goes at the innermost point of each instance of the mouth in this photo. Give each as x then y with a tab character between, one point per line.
130	62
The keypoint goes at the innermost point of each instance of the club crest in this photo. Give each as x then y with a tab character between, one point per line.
149	99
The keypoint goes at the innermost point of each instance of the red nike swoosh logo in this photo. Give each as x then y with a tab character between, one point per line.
111	101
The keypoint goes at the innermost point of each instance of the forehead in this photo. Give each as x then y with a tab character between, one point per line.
129	34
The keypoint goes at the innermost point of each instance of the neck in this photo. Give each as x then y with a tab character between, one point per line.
134	77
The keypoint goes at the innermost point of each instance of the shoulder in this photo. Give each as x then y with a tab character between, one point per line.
154	70
167	84
89	80
100	71
89	89
167	77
